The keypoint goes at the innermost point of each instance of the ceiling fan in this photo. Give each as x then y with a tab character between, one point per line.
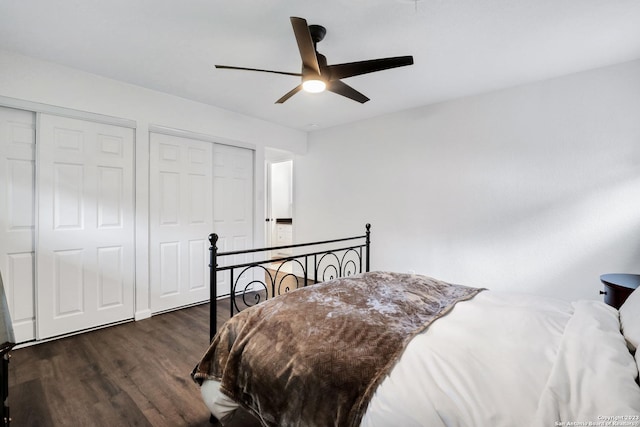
317	75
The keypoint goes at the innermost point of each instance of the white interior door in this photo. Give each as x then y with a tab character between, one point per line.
181	199
269	219
85	248
233	207
17	223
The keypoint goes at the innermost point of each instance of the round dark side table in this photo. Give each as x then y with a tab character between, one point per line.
618	287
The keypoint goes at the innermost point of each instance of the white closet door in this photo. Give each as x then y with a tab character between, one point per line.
85	249
233	208
17	224
181	218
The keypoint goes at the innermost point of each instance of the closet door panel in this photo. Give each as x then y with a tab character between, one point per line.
17	224
181	206
233	213
85	248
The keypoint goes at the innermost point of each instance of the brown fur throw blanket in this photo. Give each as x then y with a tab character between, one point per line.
314	356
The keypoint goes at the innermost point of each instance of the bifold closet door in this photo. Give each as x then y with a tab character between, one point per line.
85	244
17	219
181	218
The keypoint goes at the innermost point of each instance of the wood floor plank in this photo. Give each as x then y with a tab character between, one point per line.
29	404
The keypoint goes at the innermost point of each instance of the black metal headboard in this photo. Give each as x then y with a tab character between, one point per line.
328	260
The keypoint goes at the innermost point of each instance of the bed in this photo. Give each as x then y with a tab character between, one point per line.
374	348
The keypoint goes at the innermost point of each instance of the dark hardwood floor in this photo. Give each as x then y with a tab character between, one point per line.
133	374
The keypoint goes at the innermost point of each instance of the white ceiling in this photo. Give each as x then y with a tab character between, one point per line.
460	47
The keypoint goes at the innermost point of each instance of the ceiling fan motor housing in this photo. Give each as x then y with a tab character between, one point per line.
322	64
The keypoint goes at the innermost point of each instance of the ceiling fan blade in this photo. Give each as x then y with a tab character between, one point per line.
289	94
341	71
336	86
305	44
228	67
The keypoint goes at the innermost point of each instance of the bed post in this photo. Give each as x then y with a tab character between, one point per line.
213	285
367	244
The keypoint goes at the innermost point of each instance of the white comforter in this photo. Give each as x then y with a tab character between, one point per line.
506	360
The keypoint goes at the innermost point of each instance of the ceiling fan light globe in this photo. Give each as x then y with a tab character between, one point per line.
314	86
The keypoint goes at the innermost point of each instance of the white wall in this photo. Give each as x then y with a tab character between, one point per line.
534	188
34	81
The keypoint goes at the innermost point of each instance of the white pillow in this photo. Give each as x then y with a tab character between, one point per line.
630	319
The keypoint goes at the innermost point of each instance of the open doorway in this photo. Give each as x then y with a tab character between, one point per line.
279	201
